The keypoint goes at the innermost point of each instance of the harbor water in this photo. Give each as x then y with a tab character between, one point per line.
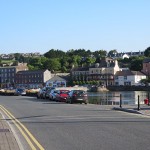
113	98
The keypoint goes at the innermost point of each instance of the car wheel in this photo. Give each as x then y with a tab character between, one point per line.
85	102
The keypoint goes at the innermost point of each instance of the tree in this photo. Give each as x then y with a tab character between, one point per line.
54	53
147	52
90	60
100	53
36	63
112	52
136	63
74	60
52	64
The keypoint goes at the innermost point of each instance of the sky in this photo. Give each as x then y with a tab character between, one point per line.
40	25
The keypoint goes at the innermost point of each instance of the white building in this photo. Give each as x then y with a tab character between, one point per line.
128	77
56	81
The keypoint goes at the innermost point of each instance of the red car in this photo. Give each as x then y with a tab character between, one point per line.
62	95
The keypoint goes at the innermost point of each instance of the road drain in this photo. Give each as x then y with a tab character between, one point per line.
4	130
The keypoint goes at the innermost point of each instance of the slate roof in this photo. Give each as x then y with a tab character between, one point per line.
140	53
56	78
30	71
81	69
146	60
128	73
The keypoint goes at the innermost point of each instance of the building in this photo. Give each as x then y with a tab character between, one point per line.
126	54
103	72
146	66
32	78
7	74
128	77
80	73
56	81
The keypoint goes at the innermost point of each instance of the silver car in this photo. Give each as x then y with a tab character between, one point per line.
52	94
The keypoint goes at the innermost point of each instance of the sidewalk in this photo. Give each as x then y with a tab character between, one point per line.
7	138
144	109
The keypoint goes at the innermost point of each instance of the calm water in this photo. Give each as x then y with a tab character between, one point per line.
113	98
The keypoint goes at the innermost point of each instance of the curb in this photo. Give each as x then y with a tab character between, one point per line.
127	110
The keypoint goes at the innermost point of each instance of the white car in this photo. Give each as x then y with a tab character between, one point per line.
40	93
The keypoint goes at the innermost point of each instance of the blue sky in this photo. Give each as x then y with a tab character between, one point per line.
40	25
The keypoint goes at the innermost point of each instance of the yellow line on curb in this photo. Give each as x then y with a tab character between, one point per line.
25	136
15	121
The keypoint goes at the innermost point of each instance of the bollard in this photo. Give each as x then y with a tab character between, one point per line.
148	99
138	102
120	101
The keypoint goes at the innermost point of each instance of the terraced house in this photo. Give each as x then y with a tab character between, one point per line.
7	74
32	78
103	71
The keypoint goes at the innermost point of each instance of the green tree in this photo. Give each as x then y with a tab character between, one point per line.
36	62
112	52
54	53
147	52
100	53
90	60
136	63
52	64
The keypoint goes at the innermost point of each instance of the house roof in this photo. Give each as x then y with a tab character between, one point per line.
146	60
30	71
81	69
56	78
129	73
127	53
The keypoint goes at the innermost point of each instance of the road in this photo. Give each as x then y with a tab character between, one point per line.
60	126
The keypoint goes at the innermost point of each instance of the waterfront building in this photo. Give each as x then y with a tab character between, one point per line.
146	66
128	77
102	72
56	81
7	74
32	78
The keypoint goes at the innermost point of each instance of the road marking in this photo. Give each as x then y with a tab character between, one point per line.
20	126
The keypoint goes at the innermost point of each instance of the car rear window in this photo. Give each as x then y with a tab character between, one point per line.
64	92
79	92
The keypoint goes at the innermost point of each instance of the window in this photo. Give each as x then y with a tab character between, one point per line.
125	77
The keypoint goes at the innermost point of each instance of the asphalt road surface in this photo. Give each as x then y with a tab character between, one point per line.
60	126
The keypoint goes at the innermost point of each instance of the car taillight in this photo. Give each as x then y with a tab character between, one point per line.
85	95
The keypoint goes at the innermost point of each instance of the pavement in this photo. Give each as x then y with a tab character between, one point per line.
9	142
7	137
143	109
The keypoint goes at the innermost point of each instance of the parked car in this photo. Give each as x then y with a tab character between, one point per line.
77	96
62	95
47	92
41	93
20	91
52	94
